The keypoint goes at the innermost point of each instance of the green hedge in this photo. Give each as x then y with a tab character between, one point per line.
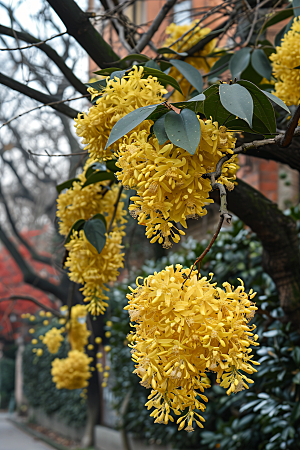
40	390
265	417
7	381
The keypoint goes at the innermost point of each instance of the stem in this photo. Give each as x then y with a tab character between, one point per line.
115	209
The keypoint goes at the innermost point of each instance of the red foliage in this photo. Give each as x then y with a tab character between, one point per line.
11	283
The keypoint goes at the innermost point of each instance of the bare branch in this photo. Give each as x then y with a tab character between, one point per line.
115	209
33	300
37	44
49	154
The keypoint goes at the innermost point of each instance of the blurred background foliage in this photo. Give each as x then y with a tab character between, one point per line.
267	416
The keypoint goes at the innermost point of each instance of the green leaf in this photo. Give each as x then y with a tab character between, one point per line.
106	72
277	100
164	65
197	98
239	61
159	111
279	36
66	184
99	176
129	122
261	63
152	64
134	57
190	73
93	167
281	15
183	129
224	60
98	85
237	100
118	74
162	77
296	412
100	217
250	74
159	130
78	225
166	50
296	6
213	107
296	378
263	108
95	231
111	165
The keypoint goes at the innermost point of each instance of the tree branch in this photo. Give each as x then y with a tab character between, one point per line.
154	27
39	96
78	25
33	300
50	52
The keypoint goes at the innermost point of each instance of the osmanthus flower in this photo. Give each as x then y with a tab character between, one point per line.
71	372
120	97
81	202
92	269
285	59
78	333
184	328
200	60
169	180
53	339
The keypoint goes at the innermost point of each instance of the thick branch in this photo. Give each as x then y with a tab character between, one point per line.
279	237
146	38
39	96
78	25
50	52
28	275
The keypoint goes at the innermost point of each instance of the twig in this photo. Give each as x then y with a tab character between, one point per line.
33	45
48	154
42	106
154	27
115	209
33	300
290	132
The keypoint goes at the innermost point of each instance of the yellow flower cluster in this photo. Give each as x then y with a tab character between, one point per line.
168	180
93	269
286	58
120	97
53	339
71	372
184	327
83	203
200	60
78	333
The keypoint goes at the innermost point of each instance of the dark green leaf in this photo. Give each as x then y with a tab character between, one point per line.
66	184
298	67
134	57
296	378
111	165
281	15
95	231
99	176
261	63
158	112
197	98
222	64
78	225
162	77
98	85
164	65
263	108
118	74
296	6
93	167
239	61
106	72
250	74
296	412
129	122
100	217
183	129
277	100
159	130
279	36
152	64
190	73
166	50
213	107
237	100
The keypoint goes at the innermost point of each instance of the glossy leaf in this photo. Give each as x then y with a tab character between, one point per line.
296	6
197	98
118	74
93	167
250	74
213	107
183	129
99	176
190	73
261	63
263	108
111	165
222	65
134	57
128	122
106	72
159	130
152	64
277	100
162	77
95	232
281	15
167	50
237	100
239	61
100	217
98	85
66	184
78	225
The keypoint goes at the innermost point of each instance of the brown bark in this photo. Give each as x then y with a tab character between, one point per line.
279	238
